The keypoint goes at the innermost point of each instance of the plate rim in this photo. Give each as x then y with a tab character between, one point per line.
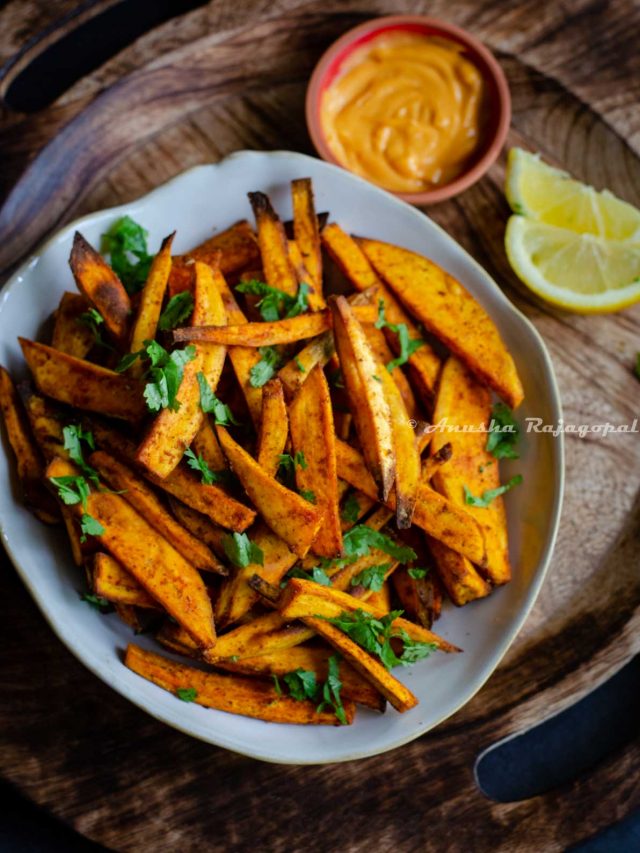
538	576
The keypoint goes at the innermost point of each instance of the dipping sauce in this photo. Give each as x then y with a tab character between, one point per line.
405	111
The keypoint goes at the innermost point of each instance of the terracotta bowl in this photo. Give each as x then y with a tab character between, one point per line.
497	104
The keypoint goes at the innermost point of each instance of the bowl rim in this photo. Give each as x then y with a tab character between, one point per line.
491	71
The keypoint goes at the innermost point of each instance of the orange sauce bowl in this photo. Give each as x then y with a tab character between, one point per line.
495	106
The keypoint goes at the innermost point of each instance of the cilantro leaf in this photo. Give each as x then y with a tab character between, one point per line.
371	578
97	602
179	308
274	303
72	489
241	551
89	526
93	320
317	575
406	345
308	495
126	244
302	684
375	635
303	369
331	690
127	360
288	463
350	509
73	437
490	494
187	694
211	405
276	685
360	539
199	464
165	373
266	368
417	574
504	433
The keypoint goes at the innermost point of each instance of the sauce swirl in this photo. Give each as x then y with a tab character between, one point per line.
405	111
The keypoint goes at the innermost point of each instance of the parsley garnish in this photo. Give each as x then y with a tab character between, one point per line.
73	438
503	433
199	464
417	574
266	368
179	308
211	405
93	320
331	690
241	551
126	244
360	539
351	509
490	494
97	602
317	575
275	304
72	489
187	694
308	495
303	686
89	526
371	578
288	463
407	346
375	635
166	375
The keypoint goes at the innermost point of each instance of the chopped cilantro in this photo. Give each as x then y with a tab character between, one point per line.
371	578
276	685
126	244
360	539
302	684
93	320
73	437
199	464
275	304
241	551
490	494
179	308
308	495
331	691
266	368
72	489
417	574
300	365
407	346
97	602
210	404
187	694
317	575
503	433
89	526
350	509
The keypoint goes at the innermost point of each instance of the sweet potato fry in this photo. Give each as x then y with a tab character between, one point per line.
435	514
459	576
102	287
83	384
262	635
369	667
317	352
243	358
313	435
206	444
151	559
70	334
45	420
381	598
274	249
406	453
199	525
172	431
450	313
307	237
461	401
232	693
420	597
284	661
128	614
145	325
146	502
368	404
274	427
301	598
236	597
236	247
290	516
424	363
29	462
383	354
184	485
113	582
80	551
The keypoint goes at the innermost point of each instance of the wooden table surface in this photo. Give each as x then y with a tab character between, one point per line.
227	76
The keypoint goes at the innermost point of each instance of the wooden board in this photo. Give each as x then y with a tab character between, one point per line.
231	76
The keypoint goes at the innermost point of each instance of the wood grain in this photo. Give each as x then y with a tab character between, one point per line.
232	76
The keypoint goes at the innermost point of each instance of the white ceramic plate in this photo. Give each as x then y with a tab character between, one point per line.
210	198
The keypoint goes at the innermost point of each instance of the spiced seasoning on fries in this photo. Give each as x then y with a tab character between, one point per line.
242	463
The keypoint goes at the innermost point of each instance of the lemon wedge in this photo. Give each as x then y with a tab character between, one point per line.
573	246
549	195
577	271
